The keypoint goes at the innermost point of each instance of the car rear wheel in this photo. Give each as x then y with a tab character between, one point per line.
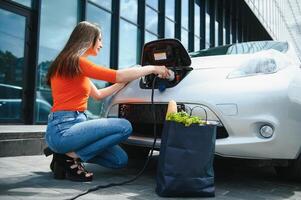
136	152
290	172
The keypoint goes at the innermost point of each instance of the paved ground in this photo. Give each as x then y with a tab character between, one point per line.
29	177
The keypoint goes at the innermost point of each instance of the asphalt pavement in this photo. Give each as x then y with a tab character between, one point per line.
29	177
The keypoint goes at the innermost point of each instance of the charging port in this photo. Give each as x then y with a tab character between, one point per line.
168	52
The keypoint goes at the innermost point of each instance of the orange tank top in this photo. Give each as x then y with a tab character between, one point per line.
71	94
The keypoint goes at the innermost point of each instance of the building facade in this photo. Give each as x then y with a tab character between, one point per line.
32	33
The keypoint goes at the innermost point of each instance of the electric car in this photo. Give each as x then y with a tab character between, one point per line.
251	91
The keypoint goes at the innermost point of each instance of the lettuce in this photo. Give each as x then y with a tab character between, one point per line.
184	118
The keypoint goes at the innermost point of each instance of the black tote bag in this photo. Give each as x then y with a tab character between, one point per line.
185	165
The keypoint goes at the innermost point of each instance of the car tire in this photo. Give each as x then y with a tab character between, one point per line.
136	152
290	172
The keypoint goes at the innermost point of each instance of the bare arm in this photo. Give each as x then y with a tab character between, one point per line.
99	94
129	74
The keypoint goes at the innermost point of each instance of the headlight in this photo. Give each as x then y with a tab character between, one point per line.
261	63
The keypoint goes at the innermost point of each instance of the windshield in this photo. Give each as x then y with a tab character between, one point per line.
242	48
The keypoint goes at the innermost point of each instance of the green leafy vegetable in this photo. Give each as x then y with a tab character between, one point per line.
184	118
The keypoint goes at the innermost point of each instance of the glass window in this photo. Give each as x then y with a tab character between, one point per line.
196	43
150	37
216	33
184	38
207	30
53	36
12	36
169	29
196	19
106	4
184	18
24	2
224	27
224	35
151	20
152	3
170	9
230	29
127	44
103	19
129	10
12	40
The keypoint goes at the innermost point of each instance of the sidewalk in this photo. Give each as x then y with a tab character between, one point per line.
29	177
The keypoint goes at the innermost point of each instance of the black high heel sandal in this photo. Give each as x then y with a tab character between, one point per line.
66	167
47	152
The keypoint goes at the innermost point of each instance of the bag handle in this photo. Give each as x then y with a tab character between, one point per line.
191	110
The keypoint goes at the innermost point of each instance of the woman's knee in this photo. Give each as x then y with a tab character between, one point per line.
126	127
121	162
114	158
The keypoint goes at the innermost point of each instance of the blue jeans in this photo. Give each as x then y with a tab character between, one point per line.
94	141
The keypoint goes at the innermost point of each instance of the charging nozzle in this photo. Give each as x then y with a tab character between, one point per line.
171	76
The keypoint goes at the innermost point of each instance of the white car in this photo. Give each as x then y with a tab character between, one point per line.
251	90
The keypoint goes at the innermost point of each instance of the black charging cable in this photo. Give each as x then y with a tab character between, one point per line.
97	187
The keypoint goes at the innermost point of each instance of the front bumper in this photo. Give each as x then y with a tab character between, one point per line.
237	136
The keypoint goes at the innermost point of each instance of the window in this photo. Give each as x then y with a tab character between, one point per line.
196	27
149	37
170	9
103	19
105	4
184	23
216	25
224	26
12	44
207	27
128	33
24	2
184	17
53	36
184	37
129	10
152	3
151	20
12	38
127	44
169	18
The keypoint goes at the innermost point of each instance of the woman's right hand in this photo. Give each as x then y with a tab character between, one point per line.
161	71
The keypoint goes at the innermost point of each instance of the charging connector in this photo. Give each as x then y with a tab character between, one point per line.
171	75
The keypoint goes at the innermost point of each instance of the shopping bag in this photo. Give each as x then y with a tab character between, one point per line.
185	165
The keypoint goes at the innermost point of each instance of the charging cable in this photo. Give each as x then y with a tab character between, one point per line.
97	187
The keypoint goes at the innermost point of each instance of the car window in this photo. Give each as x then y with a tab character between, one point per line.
242	48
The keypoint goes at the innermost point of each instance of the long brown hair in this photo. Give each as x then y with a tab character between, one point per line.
66	64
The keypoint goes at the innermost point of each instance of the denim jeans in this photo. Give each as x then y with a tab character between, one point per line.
94	141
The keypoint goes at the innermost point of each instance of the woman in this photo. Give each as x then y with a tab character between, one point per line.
69	134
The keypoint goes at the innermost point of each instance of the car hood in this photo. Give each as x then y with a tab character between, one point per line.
208	82
224	61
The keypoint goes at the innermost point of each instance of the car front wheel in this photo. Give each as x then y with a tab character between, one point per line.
292	171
